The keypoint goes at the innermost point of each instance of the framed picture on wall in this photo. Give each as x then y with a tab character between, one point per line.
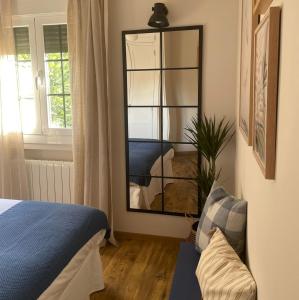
265	90
245	104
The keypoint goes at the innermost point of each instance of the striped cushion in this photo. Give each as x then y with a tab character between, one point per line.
226	212
221	274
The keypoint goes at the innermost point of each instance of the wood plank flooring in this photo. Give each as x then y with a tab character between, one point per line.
141	268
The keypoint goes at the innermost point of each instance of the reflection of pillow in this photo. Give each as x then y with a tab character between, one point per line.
224	211
221	274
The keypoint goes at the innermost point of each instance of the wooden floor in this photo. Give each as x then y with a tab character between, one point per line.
140	268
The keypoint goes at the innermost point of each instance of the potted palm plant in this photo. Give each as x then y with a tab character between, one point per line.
210	138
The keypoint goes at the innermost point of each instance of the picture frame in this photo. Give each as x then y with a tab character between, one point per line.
265	90
246	58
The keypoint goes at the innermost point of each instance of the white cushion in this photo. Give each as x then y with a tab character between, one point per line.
221	273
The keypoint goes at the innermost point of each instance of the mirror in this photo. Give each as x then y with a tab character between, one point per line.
180	87
144	123
142	51
175	120
144	88
181	49
162	85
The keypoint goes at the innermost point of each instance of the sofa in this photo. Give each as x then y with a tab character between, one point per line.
226	216
185	284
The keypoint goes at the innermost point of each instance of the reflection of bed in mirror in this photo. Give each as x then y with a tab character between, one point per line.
145	161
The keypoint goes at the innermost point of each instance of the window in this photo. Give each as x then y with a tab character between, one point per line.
43	75
25	79
57	76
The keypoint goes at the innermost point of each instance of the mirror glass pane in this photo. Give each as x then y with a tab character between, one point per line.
185	161
180	87
180	196
181	49
143	196
143	50
144	160
175	121
143	88
180	160
144	122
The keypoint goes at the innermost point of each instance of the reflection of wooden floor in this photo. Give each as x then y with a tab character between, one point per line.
184	164
181	195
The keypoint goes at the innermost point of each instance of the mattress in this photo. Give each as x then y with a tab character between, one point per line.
82	276
39	240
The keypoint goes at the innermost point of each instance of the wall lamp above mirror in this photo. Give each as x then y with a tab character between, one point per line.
159	17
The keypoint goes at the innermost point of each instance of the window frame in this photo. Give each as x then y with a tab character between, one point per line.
26	21
57	138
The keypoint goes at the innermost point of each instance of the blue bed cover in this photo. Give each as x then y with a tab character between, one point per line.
37	240
142	155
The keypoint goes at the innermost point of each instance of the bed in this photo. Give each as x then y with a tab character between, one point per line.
145	161
49	250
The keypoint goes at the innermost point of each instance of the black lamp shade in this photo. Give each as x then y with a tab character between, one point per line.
159	19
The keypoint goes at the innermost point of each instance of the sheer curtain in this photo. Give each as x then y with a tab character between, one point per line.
87	48
13	180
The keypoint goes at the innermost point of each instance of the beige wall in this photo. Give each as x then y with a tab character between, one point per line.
219	80
273	205
22	7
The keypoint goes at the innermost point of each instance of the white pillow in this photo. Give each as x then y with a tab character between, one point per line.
221	273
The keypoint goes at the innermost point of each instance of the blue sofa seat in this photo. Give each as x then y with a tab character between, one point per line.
185	284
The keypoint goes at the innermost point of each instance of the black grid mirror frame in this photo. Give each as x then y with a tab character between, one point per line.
161	106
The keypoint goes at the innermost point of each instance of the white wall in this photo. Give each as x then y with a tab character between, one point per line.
273	205
219	85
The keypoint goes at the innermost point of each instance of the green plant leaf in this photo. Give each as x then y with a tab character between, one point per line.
210	138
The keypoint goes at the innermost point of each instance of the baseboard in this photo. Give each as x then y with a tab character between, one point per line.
120	235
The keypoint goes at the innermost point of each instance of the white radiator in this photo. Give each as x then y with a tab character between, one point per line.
50	180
